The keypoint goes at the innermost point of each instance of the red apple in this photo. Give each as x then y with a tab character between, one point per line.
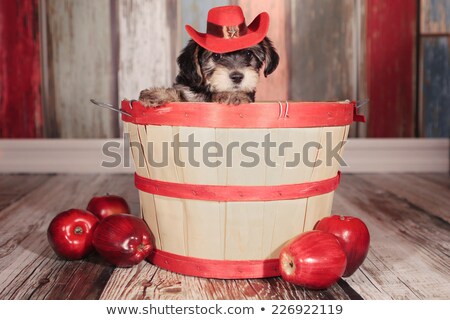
353	236
123	240
313	260
105	206
70	233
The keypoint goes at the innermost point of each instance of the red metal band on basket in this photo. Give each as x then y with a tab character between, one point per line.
254	115
220	269
236	193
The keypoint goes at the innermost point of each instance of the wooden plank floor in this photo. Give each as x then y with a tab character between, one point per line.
408	216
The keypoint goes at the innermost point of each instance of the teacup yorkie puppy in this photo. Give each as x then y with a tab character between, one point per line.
222	65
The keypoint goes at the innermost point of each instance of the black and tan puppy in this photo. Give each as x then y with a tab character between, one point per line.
205	76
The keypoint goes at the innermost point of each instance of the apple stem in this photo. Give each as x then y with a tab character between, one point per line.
78	230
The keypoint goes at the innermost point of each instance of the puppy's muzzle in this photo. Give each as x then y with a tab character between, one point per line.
236	77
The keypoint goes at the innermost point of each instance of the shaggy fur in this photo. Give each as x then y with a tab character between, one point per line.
205	76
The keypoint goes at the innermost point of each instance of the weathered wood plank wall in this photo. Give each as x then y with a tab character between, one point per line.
111	49
195	13
80	67
275	86
20	71
434	87
148	33
360	23
322	55
435	17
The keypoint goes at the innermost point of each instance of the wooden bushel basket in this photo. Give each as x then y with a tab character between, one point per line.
227	214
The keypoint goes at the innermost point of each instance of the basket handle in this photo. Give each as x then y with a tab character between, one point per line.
111	107
359	117
361	103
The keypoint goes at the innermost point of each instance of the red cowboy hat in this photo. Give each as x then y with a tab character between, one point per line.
226	30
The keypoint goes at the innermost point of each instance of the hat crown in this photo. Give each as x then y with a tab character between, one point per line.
227	31
226	16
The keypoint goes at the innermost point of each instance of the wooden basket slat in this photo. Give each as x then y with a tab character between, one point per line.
274	176
142	133
244	230
323	170
290	215
148	211
301	172
288	223
171	219
203	219
221	137
159	136
317	207
204	222
138	138
136	149
344	140
245	220
170	211
320	206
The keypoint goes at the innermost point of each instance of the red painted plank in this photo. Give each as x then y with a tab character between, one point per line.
20	76
391	39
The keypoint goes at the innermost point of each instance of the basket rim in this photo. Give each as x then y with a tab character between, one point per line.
274	104
288	114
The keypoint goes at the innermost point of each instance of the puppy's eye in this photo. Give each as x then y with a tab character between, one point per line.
216	56
248	53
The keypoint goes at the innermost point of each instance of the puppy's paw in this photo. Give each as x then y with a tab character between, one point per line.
239	98
158	96
231	97
151	97
221	97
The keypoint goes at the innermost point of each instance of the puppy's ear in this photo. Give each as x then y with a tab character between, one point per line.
188	61
271	56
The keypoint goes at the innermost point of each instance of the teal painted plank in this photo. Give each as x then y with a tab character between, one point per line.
436	86
195	12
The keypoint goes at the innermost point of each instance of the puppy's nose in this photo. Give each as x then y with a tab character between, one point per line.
236	77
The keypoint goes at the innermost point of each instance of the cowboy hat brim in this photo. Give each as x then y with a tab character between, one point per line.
256	31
